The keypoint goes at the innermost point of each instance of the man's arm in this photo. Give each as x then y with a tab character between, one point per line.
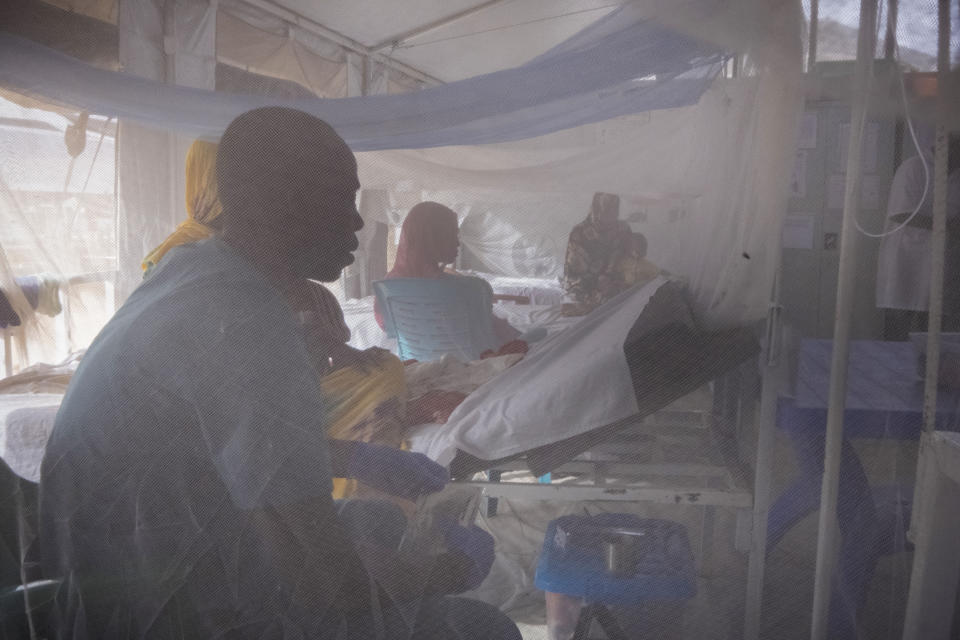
323	569
313	556
404	474
341	452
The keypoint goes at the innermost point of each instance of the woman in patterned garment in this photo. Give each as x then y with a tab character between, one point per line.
595	247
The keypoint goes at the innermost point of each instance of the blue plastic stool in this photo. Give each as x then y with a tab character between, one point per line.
572	563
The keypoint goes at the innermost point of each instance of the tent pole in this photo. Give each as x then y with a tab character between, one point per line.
814	23
827	531
939	221
773	371
890	39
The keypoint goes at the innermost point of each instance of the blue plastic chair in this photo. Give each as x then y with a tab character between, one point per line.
572	563
432	317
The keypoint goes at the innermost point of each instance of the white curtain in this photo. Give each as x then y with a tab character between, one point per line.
172	42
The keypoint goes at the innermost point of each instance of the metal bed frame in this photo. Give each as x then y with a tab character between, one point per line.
635	467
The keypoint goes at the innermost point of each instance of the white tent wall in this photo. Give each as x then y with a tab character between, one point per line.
253	40
710	221
169	42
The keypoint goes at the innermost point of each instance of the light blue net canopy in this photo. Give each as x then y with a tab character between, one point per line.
622	64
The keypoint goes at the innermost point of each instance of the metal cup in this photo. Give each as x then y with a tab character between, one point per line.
619	554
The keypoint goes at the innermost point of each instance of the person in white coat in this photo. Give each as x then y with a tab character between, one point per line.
904	264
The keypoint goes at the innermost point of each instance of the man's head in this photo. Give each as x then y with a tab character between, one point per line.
288	184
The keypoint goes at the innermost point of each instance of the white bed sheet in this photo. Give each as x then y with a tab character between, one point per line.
541	291
26	420
572	382
529	316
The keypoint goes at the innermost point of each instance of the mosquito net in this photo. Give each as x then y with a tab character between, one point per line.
496	320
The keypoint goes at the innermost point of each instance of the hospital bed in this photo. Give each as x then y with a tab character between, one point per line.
678	445
540	291
592	378
666	359
29	402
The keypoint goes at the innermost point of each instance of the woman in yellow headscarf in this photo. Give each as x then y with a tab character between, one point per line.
203	205
365	390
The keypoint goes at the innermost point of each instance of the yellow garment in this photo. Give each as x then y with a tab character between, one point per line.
636	270
366	404
203	204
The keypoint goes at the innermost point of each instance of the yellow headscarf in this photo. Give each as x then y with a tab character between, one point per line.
203	205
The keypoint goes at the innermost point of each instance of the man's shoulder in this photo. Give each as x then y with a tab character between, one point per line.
207	279
198	303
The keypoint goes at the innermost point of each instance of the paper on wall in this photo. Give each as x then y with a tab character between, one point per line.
870	192
808	131
798	231
836	186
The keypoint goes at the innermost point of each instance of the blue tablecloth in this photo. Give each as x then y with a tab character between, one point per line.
884	391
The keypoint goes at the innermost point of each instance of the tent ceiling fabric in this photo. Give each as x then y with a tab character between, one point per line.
499	36
625	63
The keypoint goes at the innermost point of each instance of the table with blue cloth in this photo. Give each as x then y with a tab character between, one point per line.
884	401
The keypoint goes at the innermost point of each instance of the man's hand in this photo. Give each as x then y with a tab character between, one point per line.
477	547
403	474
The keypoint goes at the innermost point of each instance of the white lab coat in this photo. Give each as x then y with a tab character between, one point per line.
904	264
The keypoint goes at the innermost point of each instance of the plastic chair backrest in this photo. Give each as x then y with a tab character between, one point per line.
432	317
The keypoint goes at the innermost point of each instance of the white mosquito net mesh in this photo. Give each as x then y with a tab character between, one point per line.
571	376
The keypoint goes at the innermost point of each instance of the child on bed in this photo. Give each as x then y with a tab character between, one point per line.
633	266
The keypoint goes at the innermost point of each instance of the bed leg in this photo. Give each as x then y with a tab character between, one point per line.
490	504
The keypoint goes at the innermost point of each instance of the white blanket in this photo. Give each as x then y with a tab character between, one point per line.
572	382
449	374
